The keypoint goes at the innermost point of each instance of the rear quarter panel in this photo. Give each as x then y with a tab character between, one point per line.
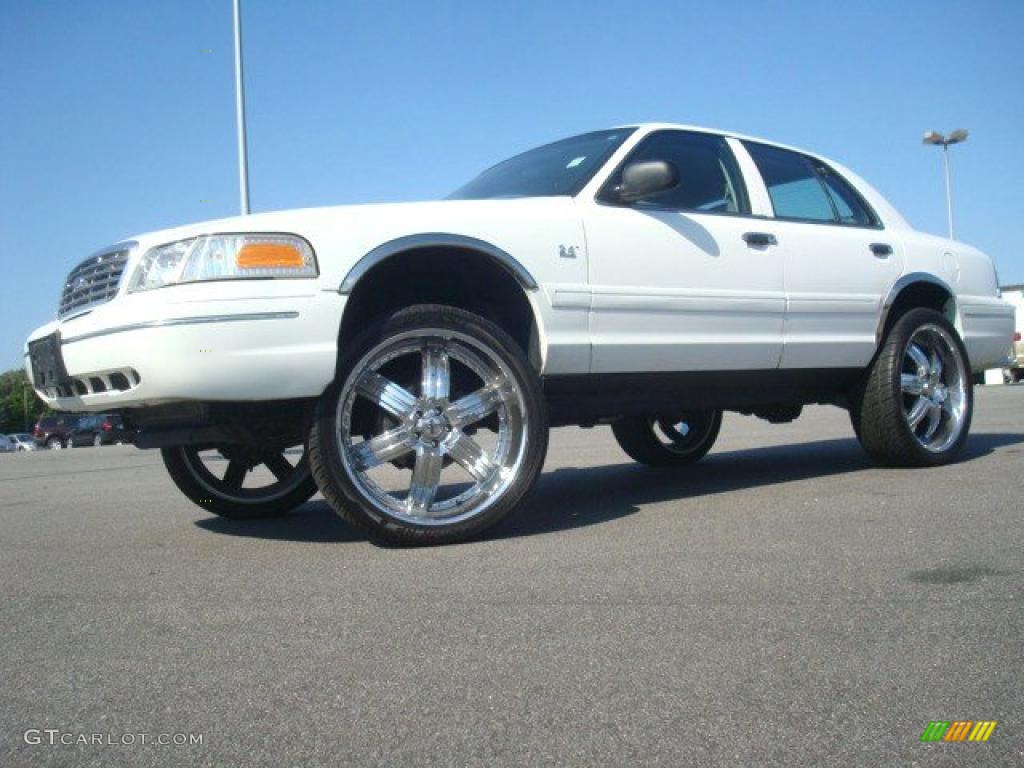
985	321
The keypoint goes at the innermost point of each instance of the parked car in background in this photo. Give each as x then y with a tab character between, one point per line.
54	431
7	444
1015	295
1017	369
22	441
99	429
646	277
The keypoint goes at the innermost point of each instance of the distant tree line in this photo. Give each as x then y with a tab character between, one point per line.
19	404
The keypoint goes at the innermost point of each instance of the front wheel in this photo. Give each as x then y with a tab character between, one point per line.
54	444
668	442
434	430
918	398
241	482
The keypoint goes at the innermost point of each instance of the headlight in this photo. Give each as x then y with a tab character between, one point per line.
224	257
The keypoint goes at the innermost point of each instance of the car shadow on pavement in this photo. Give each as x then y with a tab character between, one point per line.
592	495
313	522
574	497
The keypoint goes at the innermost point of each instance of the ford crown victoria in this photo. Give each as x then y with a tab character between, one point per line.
408	360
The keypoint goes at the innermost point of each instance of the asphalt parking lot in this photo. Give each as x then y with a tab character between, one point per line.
781	603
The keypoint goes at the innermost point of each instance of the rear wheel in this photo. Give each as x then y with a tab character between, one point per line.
434	430
241	482
97	441
669	442
918	398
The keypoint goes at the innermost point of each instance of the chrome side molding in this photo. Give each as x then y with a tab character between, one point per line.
200	320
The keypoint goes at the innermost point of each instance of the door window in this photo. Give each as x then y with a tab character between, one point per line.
805	189
849	207
709	179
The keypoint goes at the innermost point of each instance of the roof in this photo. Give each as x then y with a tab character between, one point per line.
720	132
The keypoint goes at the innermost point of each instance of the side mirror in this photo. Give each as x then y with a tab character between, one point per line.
645	179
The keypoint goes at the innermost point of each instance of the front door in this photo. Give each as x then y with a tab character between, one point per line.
675	285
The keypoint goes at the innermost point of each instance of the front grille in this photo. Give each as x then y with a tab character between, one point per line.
94	281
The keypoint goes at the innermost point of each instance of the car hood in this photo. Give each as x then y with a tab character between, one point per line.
311	221
341	235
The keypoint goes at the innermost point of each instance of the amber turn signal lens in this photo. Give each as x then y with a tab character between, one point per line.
268	256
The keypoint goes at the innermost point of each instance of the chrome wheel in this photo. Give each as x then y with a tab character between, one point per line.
431	427
933	382
245	475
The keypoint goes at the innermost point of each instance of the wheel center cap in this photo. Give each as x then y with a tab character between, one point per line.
431	426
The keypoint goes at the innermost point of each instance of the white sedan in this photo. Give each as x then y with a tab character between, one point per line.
408	360
22	442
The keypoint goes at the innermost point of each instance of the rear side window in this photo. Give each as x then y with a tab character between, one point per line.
805	189
849	207
709	178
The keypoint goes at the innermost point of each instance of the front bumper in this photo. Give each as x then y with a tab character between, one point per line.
196	343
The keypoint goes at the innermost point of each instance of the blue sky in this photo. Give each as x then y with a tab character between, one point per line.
116	121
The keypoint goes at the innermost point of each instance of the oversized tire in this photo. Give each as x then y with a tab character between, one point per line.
215	478
54	443
434	429
668	442
918	397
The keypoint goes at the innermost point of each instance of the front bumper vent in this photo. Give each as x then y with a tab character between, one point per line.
121	380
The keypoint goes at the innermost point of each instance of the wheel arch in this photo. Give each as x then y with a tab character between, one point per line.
917	289
418	269
436	240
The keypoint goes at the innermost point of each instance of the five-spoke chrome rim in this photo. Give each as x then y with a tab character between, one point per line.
431	396
686	433
933	382
233	473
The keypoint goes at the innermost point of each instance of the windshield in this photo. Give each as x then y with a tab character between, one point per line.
562	168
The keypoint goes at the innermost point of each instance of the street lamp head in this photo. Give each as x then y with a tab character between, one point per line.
933	137
960	134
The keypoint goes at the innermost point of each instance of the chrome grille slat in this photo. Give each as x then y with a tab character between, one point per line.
95	281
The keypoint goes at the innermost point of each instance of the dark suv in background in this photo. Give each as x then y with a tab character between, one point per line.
55	431
99	429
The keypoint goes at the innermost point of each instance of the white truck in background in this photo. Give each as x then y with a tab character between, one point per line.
1014	294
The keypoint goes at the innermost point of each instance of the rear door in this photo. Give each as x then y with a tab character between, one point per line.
839	260
675	286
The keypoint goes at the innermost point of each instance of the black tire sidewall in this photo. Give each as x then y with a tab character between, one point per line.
636	436
883	431
183	477
339	488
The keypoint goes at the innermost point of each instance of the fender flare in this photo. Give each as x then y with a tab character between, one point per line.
436	240
897	288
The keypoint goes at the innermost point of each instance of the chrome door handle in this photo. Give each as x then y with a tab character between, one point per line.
759	239
881	250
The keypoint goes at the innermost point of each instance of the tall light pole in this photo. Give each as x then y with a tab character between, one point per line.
937	139
243	153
